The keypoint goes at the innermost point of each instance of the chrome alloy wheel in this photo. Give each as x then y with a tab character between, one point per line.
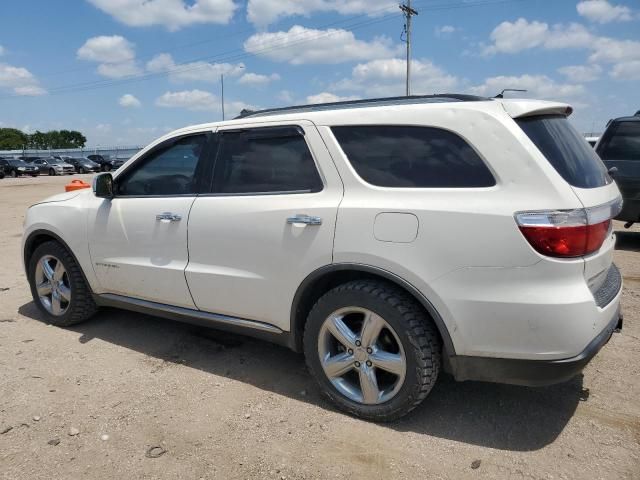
361	355
52	284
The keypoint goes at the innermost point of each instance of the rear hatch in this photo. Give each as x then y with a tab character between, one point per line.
587	232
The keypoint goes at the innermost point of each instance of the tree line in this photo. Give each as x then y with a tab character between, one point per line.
14	139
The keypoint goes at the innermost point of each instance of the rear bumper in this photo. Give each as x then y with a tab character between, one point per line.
532	372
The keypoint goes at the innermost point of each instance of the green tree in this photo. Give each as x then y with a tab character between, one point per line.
12	139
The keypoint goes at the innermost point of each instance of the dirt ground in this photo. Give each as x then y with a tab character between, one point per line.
227	407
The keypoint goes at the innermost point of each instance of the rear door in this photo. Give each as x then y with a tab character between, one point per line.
266	224
574	159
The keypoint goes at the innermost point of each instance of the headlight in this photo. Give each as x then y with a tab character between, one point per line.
21	168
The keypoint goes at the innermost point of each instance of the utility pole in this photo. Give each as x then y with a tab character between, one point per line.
222	96
408	13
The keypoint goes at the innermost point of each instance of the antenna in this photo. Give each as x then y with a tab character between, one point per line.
501	94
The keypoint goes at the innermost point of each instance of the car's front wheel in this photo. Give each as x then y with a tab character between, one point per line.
52	172
373	349
58	287
13	174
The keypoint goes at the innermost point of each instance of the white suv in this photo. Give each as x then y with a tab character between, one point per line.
386	239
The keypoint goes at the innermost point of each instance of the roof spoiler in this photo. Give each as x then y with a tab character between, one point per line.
529	108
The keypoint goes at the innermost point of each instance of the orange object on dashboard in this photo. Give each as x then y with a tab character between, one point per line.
76	185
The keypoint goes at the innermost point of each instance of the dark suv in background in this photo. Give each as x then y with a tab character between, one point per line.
106	162
619	148
16	168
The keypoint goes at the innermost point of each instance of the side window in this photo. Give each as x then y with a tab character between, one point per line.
412	157
170	170
267	160
623	144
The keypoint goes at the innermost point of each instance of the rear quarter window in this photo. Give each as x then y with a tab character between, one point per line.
621	142
412	157
566	150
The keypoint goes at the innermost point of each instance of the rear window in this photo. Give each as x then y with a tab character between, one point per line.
412	157
566	150
623	143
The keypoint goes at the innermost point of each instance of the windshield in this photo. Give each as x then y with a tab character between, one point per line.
566	150
54	160
17	163
622	142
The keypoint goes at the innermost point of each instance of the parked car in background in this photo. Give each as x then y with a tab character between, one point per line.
82	164
386	239
1	172
619	149
14	167
106	162
54	166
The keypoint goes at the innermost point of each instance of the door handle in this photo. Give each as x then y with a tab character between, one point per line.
305	219
167	217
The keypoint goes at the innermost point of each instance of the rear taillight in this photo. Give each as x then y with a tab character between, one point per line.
568	233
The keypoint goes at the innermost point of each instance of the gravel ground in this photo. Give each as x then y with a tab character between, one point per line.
92	401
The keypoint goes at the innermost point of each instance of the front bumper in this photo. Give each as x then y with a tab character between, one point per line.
532	373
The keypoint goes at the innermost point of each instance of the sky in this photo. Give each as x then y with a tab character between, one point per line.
127	71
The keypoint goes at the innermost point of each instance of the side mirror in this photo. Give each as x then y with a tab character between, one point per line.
103	185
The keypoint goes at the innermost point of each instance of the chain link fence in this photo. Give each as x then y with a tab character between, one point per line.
120	152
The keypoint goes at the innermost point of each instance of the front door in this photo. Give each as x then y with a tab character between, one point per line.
267	223
138	240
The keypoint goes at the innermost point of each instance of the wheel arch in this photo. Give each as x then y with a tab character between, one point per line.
40	236
325	278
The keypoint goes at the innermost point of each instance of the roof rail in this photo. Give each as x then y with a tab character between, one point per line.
368	102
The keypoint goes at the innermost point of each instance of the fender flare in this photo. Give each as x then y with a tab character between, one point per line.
307	283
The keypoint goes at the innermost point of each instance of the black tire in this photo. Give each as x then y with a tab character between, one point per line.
81	307
14	174
414	328
82	170
52	172
107	168
34	175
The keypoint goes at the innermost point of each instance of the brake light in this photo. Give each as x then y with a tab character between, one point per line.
568	233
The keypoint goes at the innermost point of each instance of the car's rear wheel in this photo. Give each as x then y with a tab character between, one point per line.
13	174
82	170
373	349
52	172
58	287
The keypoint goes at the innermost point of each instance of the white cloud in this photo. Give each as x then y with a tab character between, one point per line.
172	14
257	80
444	31
193	71
114	54
602	11
383	78
20	80
107	49
265	12
327	97
581	73
302	45
626	70
2	50
127	100
514	37
609	50
537	86
285	96
189	99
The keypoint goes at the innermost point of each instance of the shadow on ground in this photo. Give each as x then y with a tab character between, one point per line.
626	240
496	416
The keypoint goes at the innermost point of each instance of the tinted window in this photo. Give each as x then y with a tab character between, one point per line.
168	171
412	157
265	160
566	150
623	143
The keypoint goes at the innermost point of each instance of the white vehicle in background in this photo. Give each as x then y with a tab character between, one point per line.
386	239
592	140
